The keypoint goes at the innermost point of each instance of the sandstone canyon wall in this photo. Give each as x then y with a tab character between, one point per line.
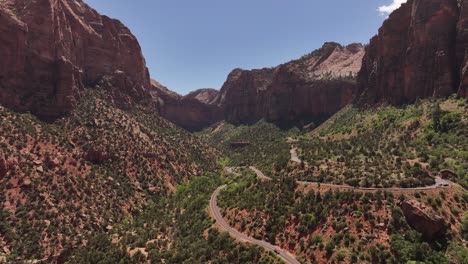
297	93
192	112
52	49
462	48
300	92
419	52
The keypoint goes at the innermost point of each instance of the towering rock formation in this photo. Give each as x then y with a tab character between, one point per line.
299	92
192	112
419	52
52	49
462	48
422	218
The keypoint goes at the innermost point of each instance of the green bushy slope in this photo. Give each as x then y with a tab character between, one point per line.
390	146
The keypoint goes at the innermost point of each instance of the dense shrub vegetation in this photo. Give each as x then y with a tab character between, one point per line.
385	147
55	196
381	147
176	229
332	225
266	146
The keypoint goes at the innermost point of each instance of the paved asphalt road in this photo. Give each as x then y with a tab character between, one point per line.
215	210
439	183
260	174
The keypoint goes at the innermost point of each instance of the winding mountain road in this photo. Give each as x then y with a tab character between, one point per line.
286	256
439	182
216	212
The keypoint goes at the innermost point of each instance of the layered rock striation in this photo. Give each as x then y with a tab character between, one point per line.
297	93
423	219
52	49
419	52
192	112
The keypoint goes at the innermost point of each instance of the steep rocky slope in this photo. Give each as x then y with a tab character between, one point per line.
419	52
71	178
192	112
299	92
52	49
77	177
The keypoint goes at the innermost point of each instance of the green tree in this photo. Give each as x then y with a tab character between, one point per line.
436	116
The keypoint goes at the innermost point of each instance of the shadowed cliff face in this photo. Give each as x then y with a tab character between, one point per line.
192	112
419	52
303	91
50	50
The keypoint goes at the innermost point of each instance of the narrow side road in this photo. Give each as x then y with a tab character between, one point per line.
439	183
294	157
232	170
260	174
216	212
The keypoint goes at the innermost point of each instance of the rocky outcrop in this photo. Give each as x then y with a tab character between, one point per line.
423	219
419	52
52	49
97	156
298	93
192	112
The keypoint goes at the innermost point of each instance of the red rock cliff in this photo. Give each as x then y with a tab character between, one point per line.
418	53
192	112
51	49
462	48
302	91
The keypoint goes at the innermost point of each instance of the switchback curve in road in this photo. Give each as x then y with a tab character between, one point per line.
216	212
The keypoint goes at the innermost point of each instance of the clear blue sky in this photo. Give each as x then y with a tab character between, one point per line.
191	44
